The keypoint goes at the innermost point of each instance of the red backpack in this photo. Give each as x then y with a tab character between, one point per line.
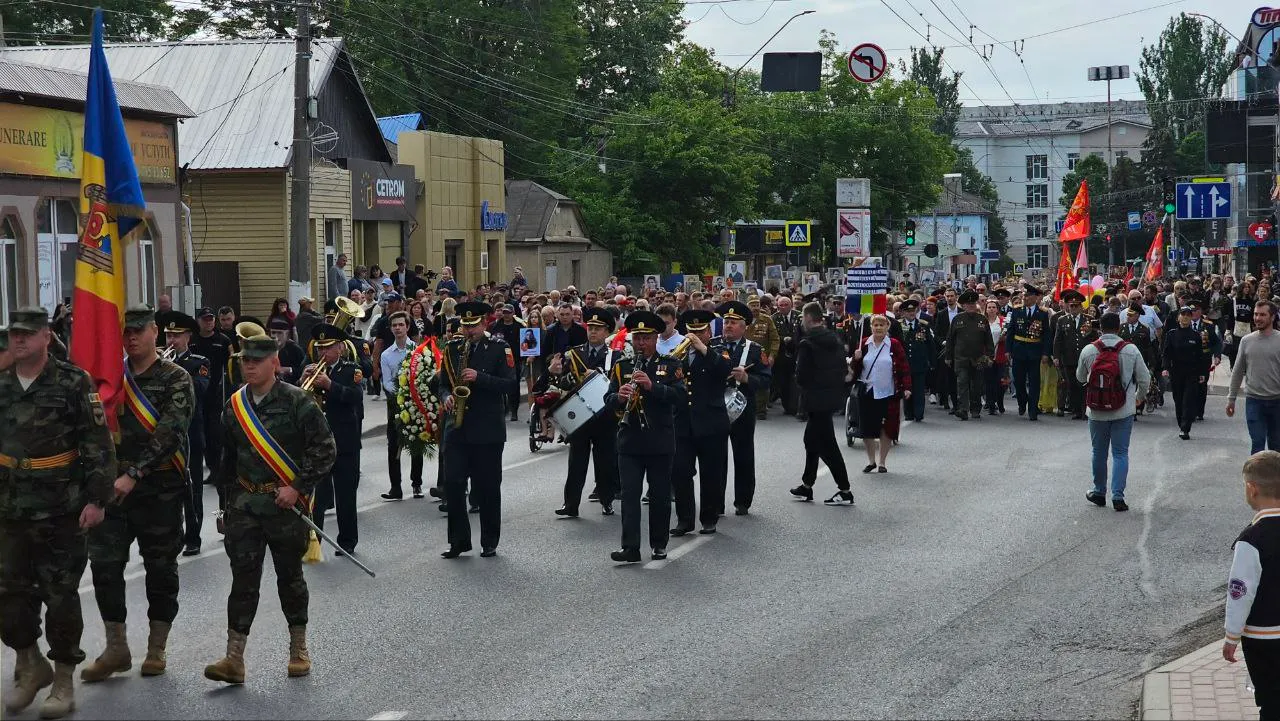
1106	390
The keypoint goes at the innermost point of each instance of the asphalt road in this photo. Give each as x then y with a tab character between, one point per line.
973	580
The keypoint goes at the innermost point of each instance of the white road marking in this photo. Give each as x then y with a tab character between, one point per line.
679	551
389	716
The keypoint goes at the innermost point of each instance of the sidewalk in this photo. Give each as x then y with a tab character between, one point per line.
1200	685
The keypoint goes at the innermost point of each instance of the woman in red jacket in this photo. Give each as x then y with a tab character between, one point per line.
996	376
883	377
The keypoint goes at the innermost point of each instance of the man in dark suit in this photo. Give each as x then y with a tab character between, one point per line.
339	385
565	334
1072	332
646	389
922	354
945	376
750	376
702	427
484	364
1030	342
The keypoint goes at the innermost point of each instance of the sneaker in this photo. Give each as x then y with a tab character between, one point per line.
841	498
803	491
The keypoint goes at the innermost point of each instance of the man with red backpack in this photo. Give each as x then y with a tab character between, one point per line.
1114	377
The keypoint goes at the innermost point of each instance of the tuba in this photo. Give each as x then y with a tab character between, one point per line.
348	311
248	329
461	391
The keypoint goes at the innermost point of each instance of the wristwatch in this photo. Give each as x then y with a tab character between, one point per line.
134	473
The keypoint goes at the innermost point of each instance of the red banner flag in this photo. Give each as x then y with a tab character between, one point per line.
1155	257
1077	224
1128	275
1066	276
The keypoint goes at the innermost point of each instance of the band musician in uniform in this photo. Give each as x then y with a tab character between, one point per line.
337	384
702	427
751	376
178	333
596	441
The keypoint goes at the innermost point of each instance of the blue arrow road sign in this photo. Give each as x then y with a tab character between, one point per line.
1135	220
1203	201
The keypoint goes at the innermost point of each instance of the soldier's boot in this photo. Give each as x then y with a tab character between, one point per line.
33	673
230	669
115	659
299	659
154	664
62	698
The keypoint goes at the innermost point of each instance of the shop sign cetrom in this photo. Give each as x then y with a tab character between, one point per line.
50	143
381	191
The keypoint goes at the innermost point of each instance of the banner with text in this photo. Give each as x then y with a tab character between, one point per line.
853	232
50	143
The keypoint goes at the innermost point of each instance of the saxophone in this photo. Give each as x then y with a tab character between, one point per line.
461	391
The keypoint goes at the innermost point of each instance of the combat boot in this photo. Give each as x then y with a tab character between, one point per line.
62	698
33	673
299	659
230	669
115	659
154	663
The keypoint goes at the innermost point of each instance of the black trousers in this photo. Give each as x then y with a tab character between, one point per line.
1186	389
1262	658
212	410
913	407
1026	384
339	492
193	502
742	437
783	386
994	389
633	471
482	463
710	455
395	444
1070	390
513	398
596	445
1201	395
820	444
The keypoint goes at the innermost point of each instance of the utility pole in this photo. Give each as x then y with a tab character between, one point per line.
300	167
1109	73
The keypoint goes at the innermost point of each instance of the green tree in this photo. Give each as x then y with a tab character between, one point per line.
626	43
927	69
1092	168
1190	60
246	18
38	23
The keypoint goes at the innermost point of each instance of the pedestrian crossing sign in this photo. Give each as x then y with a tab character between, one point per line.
798	233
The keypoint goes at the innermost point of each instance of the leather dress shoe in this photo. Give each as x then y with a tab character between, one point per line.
454	552
192	549
707	530
473	509
681	530
740	510
488	552
659	554
626	556
606	509
392	496
567	512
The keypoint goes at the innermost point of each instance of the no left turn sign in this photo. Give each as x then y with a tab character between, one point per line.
867	63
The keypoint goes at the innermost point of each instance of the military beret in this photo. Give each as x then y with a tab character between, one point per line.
29	319
258	347
138	316
644	321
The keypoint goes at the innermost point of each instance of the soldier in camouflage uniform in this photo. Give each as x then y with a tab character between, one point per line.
150	493
763	331
56	459
260	506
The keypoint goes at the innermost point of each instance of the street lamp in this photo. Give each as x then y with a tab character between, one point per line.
731	84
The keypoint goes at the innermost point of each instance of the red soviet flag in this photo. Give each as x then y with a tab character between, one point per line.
1155	257
1077	224
1066	277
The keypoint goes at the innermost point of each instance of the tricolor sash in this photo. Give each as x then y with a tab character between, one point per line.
267	447
146	413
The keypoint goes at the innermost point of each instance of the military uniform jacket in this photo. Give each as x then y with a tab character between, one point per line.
705	414
764	332
656	436
789	332
970	337
217	348
1183	352
171	392
1071	335
197	366
1028	335
495	368
294	420
921	345
1210	342
344	405
1140	337
59	412
758	375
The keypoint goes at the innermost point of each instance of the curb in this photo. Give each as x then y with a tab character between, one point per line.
1199	685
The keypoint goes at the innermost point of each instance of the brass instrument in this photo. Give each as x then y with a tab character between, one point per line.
348	311
461	391
308	382
635	404
249	329
169	353
682	349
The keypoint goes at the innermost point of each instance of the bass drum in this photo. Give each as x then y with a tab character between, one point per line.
735	402
584	403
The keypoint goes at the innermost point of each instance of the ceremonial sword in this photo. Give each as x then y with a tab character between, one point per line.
351	556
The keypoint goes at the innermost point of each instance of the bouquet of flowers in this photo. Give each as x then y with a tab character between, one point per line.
421	412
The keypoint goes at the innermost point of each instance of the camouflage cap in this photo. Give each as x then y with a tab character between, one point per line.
258	347
29	319
137	317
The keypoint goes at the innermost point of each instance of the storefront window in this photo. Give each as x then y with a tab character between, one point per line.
8	270
56	239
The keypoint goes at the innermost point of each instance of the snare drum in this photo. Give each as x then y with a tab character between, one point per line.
583	404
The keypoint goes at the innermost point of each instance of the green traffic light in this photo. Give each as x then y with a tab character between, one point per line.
911	238
1169	208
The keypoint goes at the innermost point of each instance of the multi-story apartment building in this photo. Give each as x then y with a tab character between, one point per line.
1026	150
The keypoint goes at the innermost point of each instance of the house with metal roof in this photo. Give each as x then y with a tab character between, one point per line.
235	152
41	151
959	225
548	239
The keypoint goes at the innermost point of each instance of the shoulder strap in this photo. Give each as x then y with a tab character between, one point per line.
268	449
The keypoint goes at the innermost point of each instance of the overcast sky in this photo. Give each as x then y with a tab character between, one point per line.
1056	63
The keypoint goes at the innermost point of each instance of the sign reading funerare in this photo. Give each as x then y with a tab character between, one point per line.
50	143
381	191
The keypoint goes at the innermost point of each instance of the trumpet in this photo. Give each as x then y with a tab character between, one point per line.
169	353
308	382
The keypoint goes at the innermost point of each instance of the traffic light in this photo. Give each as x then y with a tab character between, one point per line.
1169	189
911	232
1108	237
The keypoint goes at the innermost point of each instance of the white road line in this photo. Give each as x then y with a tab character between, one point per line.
221	550
389	716
679	551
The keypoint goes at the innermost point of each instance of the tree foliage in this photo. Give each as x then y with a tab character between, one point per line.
38	23
927	69
1190	61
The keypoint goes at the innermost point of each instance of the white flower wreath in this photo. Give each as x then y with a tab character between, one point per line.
420	407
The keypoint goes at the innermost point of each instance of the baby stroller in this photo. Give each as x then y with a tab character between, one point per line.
542	405
851	416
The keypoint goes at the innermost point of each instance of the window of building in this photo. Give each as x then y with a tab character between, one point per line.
332	238
8	270
1037	226
1038	196
1072	159
1037	256
1037	167
1122	154
453	257
57	241
147	264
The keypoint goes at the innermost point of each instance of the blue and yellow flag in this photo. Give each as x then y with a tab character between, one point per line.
111	209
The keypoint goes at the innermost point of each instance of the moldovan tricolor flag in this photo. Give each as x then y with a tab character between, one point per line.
1155	257
1077	225
1066	278
112	205
876	303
